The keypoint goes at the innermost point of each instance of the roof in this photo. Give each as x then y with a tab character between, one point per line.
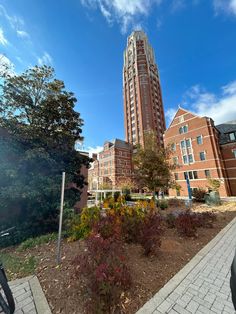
224	129
121	144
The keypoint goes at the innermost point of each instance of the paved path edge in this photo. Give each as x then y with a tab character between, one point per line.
164	292
40	300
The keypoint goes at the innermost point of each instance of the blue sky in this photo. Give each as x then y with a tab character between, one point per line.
194	43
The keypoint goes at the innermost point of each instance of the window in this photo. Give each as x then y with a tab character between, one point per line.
175	160
234	152
202	156
185	159
183	129
207	173
173	147
181	118
199	139
190	158
192	175
188	143
232	136
182	143
176	176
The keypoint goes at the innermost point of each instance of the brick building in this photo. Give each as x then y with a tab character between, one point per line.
111	166
143	107
202	150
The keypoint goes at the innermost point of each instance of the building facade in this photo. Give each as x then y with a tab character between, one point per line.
111	166
143	107
200	151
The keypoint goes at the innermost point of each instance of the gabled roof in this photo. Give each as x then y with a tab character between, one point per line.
179	113
224	129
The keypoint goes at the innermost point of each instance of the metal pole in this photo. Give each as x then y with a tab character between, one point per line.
60	222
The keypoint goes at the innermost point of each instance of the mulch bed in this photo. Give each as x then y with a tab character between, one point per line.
149	274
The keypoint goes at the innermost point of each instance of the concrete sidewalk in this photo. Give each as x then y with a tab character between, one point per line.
29	296
202	286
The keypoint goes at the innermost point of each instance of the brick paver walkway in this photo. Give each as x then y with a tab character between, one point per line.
202	286
29	297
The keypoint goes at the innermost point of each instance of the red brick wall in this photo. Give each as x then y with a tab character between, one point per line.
197	126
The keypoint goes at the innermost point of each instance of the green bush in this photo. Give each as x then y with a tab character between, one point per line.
32	242
163	204
81	225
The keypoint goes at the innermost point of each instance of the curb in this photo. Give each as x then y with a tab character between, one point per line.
40	300
174	282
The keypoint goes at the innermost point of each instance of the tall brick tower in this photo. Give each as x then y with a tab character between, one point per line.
143	107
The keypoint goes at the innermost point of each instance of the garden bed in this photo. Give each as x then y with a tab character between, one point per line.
66	294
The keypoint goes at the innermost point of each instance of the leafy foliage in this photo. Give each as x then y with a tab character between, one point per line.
38	131
102	266
81	225
150	232
199	194
214	184
32	242
185	224
152	168
163	204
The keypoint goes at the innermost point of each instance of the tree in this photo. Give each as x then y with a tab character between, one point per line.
38	131
152	168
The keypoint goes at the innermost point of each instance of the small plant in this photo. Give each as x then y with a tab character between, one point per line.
163	204
214	184
205	219
170	220
185	224
82	224
32	242
102	266
149	233
199	194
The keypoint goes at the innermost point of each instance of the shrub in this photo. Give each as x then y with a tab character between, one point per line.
103	268
149	233
199	194
163	204
81	225
170	220
108	226
205	219
116	196
130	218
32	242
185	224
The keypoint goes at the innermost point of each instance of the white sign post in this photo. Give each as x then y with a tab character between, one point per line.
60	222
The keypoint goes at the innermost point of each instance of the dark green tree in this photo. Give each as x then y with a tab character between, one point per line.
38	131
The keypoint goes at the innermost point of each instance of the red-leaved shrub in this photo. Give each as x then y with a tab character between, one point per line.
102	266
185	224
204	219
149	232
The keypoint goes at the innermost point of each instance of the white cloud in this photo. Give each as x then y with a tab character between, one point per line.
16	23
3	40
225	6
94	150
177	5
45	59
169	114
125	12
6	66
22	34
220	107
